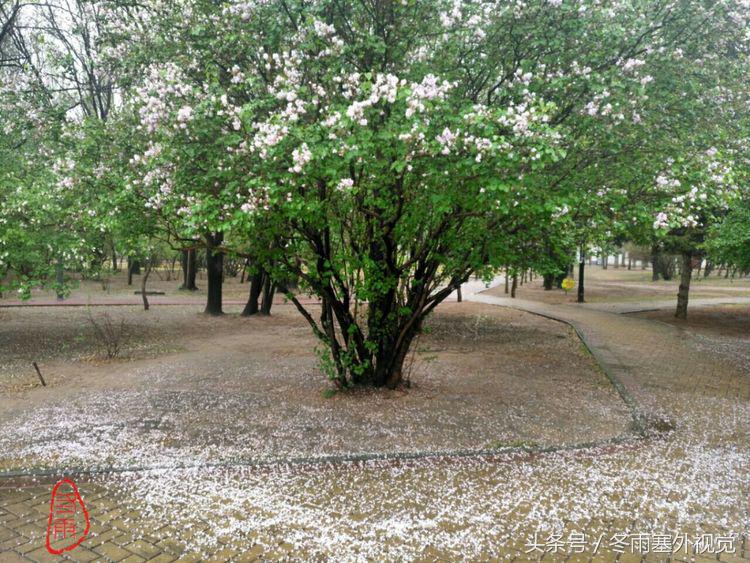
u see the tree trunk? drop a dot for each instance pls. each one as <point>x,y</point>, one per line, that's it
<point>507,281</point>
<point>189,269</point>
<point>390,362</point>
<point>134,267</point>
<point>115,266</point>
<point>244,270</point>
<point>269,289</point>
<point>59,279</point>
<point>256,286</point>
<point>655,264</point>
<point>214,273</point>
<point>605,261</point>
<point>459,297</point>
<point>685,275</point>
<point>144,279</point>
<point>548,281</point>
<point>514,286</point>
<point>581,267</point>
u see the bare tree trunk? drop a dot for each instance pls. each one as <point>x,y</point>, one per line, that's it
<point>189,265</point>
<point>686,272</point>
<point>581,269</point>
<point>655,262</point>
<point>244,270</point>
<point>134,267</point>
<point>256,287</point>
<point>215,273</point>
<point>144,279</point>
<point>514,286</point>
<point>269,288</point>
<point>507,281</point>
<point>459,297</point>
<point>59,279</point>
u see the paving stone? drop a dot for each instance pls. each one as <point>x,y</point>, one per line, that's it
<point>41,555</point>
<point>7,557</point>
<point>98,539</point>
<point>143,548</point>
<point>171,546</point>
<point>83,554</point>
<point>112,552</point>
<point>162,558</point>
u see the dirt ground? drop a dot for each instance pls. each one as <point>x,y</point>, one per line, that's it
<point>719,329</point>
<point>621,285</point>
<point>236,385</point>
<point>193,388</point>
<point>115,286</point>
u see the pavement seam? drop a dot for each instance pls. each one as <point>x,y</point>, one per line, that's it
<point>331,460</point>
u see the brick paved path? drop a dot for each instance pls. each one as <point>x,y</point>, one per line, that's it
<point>694,479</point>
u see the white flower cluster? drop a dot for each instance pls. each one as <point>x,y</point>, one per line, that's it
<point>520,118</point>
<point>244,10</point>
<point>345,184</point>
<point>301,157</point>
<point>711,191</point>
<point>429,89</point>
<point>184,115</point>
<point>453,15</point>
<point>267,136</point>
<point>385,88</point>
<point>662,221</point>
<point>447,140</point>
<point>481,144</point>
<point>632,64</point>
<point>161,85</point>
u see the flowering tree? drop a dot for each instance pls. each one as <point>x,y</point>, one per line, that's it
<point>386,152</point>
<point>379,153</point>
<point>50,80</point>
<point>699,192</point>
<point>729,241</point>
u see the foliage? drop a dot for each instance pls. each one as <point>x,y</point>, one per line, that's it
<point>378,152</point>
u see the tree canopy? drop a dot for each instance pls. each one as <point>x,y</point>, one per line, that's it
<point>379,153</point>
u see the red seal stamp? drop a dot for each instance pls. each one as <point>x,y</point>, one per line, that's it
<point>68,523</point>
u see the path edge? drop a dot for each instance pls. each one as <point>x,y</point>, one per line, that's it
<point>636,413</point>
